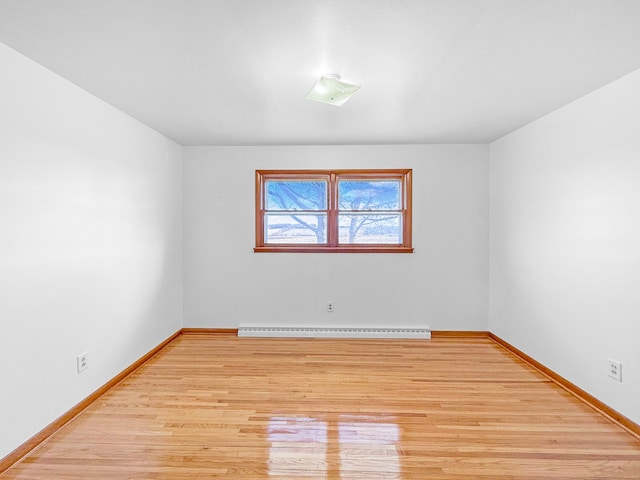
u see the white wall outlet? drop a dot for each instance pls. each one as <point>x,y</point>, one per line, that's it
<point>330,307</point>
<point>81,361</point>
<point>615,370</point>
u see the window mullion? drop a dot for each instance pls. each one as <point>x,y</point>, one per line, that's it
<point>332,217</point>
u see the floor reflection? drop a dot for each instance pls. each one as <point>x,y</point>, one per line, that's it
<point>298,447</point>
<point>365,446</point>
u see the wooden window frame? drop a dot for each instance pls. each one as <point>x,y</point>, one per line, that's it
<point>332,176</point>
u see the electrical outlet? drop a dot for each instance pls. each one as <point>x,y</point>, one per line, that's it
<point>330,307</point>
<point>81,361</point>
<point>615,370</point>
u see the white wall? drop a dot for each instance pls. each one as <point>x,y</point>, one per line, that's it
<point>565,241</point>
<point>90,244</point>
<point>444,284</point>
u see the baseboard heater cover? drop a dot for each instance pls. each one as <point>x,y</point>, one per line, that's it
<point>318,332</point>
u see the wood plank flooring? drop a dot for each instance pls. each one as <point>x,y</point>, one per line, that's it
<point>218,406</point>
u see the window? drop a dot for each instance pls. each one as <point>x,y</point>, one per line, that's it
<point>333,211</point>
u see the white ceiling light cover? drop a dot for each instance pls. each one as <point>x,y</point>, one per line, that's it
<point>331,90</point>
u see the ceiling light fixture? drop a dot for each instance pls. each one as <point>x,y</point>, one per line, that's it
<point>331,90</point>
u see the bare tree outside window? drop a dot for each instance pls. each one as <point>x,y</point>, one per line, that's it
<point>297,209</point>
<point>368,211</point>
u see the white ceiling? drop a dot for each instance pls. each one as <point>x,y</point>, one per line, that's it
<point>235,72</point>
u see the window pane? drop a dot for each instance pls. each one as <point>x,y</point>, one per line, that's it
<point>369,195</point>
<point>370,228</point>
<point>296,195</point>
<point>286,228</point>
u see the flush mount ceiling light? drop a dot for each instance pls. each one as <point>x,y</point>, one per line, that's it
<point>331,90</point>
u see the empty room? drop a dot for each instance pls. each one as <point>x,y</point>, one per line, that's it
<point>330,239</point>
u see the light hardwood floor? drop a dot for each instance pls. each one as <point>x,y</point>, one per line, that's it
<point>218,406</point>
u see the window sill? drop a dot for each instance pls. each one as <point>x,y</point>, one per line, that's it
<point>320,249</point>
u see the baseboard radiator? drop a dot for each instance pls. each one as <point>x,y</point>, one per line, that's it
<point>318,332</point>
